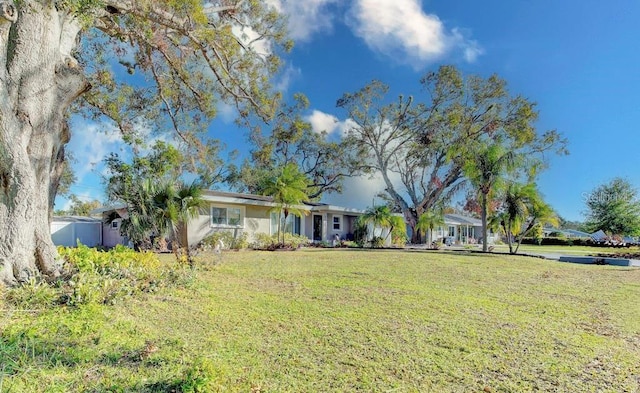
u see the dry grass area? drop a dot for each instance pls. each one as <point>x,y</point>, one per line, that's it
<point>343,320</point>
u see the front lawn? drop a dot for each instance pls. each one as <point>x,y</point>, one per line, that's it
<point>343,320</point>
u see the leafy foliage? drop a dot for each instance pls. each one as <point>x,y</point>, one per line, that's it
<point>79,207</point>
<point>521,212</point>
<point>326,161</point>
<point>157,201</point>
<point>263,241</point>
<point>288,187</point>
<point>229,239</point>
<point>381,217</point>
<point>427,144</point>
<point>97,277</point>
<point>429,220</point>
<point>614,207</point>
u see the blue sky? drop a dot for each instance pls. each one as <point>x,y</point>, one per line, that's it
<point>579,60</point>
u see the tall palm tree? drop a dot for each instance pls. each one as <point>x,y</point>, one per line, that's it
<point>288,188</point>
<point>487,170</point>
<point>429,220</point>
<point>522,210</point>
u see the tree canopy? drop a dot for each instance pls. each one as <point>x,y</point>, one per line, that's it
<point>144,66</point>
<point>420,146</point>
<point>614,208</point>
<point>290,139</point>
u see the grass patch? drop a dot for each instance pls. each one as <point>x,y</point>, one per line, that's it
<point>343,320</point>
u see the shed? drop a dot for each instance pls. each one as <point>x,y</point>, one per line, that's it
<point>69,230</point>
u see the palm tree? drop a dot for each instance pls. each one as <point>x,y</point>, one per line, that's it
<point>289,191</point>
<point>429,220</point>
<point>381,217</point>
<point>486,171</point>
<point>138,224</point>
<point>174,205</point>
<point>522,210</point>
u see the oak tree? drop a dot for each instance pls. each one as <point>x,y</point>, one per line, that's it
<point>142,64</point>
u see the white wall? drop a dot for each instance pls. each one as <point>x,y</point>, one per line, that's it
<point>68,234</point>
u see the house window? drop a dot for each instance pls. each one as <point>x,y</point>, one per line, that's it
<point>233,216</point>
<point>337,221</point>
<point>114,224</point>
<point>226,216</point>
<point>292,224</point>
<point>452,231</point>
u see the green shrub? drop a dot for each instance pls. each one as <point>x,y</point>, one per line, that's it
<point>229,240</point>
<point>377,242</point>
<point>262,241</point>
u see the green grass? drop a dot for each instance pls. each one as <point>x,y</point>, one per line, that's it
<point>343,320</point>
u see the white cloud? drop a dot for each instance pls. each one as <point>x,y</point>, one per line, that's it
<point>402,30</point>
<point>286,77</point>
<point>306,17</point>
<point>321,121</point>
<point>250,38</point>
<point>227,112</point>
<point>90,143</point>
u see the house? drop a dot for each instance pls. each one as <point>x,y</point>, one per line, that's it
<point>68,231</point>
<point>252,214</point>
<point>111,220</point>
<point>461,229</point>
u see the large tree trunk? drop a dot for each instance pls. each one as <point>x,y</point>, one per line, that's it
<point>411,217</point>
<point>38,82</point>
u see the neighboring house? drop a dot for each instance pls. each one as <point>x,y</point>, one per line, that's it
<point>111,219</point>
<point>569,233</point>
<point>251,214</point>
<point>68,231</point>
<point>460,229</point>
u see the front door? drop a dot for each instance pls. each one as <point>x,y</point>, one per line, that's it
<point>317,228</point>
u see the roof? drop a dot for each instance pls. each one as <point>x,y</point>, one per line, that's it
<point>459,219</point>
<point>104,209</point>
<point>248,199</point>
<point>75,219</point>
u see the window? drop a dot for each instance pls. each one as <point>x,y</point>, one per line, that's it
<point>452,231</point>
<point>226,216</point>
<point>233,216</point>
<point>114,224</point>
<point>292,225</point>
<point>337,221</point>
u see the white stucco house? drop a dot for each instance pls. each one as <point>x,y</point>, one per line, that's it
<point>245,213</point>
<point>462,229</point>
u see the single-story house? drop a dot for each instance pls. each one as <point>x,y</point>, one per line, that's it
<point>69,230</point>
<point>252,214</point>
<point>461,229</point>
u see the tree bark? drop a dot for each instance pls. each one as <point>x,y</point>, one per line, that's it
<point>38,82</point>
<point>483,203</point>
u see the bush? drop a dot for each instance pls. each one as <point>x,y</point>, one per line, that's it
<point>229,240</point>
<point>262,241</point>
<point>377,242</point>
<point>104,277</point>
<point>98,277</point>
